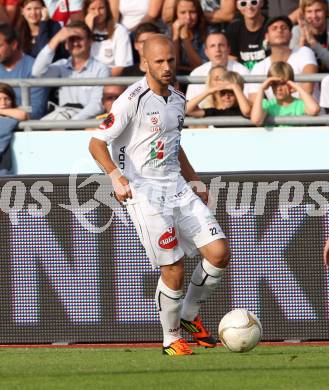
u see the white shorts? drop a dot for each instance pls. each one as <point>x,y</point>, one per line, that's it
<point>167,234</point>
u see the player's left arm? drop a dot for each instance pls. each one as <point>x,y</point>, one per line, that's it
<point>191,176</point>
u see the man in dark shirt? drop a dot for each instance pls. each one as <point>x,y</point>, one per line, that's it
<point>246,36</point>
<point>142,33</point>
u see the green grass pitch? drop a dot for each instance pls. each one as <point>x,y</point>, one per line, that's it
<point>266,367</point>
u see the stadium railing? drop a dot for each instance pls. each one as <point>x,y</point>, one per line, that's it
<point>26,84</point>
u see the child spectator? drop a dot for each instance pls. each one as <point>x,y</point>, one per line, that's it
<point>280,78</point>
<point>188,33</point>
<point>111,42</point>
<point>9,117</point>
<point>8,107</point>
<point>224,96</point>
<point>34,33</point>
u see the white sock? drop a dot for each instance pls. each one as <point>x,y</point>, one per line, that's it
<point>169,305</point>
<point>204,280</point>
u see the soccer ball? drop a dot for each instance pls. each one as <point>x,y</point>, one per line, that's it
<point>240,330</point>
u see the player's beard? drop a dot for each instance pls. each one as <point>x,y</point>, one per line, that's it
<point>158,79</point>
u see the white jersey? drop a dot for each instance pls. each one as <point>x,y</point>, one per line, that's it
<point>144,131</point>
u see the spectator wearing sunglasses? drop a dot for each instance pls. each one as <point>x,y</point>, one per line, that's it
<point>246,35</point>
<point>223,96</point>
<point>280,79</point>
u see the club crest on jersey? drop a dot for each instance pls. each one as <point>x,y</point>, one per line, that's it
<point>107,123</point>
<point>168,239</point>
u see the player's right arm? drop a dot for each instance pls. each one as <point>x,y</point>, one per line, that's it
<point>100,153</point>
<point>122,112</point>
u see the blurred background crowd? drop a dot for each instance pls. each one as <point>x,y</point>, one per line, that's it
<point>223,40</point>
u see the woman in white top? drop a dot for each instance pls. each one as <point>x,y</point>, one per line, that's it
<point>111,44</point>
<point>133,12</point>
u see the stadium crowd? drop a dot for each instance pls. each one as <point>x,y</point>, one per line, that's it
<point>220,39</point>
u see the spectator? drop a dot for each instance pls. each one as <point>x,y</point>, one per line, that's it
<point>218,11</point>
<point>302,60</point>
<point>8,106</point>
<point>246,35</point>
<point>110,94</point>
<point>111,44</point>
<point>284,7</point>
<point>34,33</point>
<point>74,102</point>
<point>188,33</point>
<point>313,30</point>
<point>280,78</point>
<point>9,117</point>
<point>9,11</point>
<point>217,50</point>
<point>14,64</point>
<point>64,10</point>
<point>133,12</point>
<point>324,96</point>
<point>142,33</point>
<point>224,95</point>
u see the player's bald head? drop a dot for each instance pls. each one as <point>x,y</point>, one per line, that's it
<point>156,42</point>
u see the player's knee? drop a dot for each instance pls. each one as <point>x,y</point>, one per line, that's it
<point>220,256</point>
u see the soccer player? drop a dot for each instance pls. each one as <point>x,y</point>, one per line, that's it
<point>149,172</point>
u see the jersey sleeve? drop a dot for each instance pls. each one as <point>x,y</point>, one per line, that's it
<point>117,120</point>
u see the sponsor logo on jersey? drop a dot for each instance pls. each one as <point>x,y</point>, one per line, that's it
<point>168,239</point>
<point>108,122</point>
<point>135,92</point>
<point>155,129</point>
<point>157,149</point>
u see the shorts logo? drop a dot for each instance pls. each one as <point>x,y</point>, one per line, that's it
<point>107,123</point>
<point>168,239</point>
